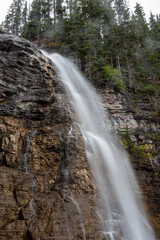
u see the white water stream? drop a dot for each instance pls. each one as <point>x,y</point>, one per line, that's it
<point>122,215</point>
<point>29,139</point>
<point>80,215</point>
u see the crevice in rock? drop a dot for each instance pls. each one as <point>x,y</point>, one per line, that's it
<point>28,235</point>
<point>20,215</point>
<point>15,195</point>
<point>4,161</point>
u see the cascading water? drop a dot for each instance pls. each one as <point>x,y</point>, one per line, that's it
<point>122,216</point>
<point>80,215</point>
<point>29,139</point>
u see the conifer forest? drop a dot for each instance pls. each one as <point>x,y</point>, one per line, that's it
<point>113,44</point>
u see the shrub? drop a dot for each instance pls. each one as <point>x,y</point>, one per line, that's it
<point>113,76</point>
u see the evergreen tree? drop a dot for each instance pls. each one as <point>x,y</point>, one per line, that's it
<point>24,17</point>
<point>16,18</point>
<point>8,22</point>
<point>33,28</point>
<point>141,26</point>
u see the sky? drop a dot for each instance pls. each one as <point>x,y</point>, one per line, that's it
<point>148,5</point>
<point>4,6</point>
<point>153,5</point>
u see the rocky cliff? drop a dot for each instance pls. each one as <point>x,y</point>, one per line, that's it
<point>136,121</point>
<point>46,187</point>
<point>45,183</point>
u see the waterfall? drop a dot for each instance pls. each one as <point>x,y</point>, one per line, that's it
<point>122,215</point>
<point>80,215</point>
<point>29,139</point>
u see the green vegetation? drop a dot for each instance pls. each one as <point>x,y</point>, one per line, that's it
<point>113,76</point>
<point>143,151</point>
<point>112,45</point>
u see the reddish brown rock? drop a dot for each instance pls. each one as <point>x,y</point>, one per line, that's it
<point>45,178</point>
<point>44,175</point>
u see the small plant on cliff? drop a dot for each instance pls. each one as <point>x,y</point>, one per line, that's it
<point>113,76</point>
<point>141,152</point>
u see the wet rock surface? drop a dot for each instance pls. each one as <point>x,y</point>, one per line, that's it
<point>134,117</point>
<point>46,188</point>
<point>27,86</point>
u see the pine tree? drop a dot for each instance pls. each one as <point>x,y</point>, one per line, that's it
<point>24,17</point>
<point>8,22</point>
<point>14,19</point>
<point>141,26</point>
<point>33,28</point>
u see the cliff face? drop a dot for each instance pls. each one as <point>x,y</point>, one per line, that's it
<point>134,117</point>
<point>46,187</point>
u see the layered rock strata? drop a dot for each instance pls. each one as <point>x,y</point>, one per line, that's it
<point>46,188</point>
<point>134,118</point>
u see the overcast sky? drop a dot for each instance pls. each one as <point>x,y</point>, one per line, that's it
<point>4,5</point>
<point>148,5</point>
